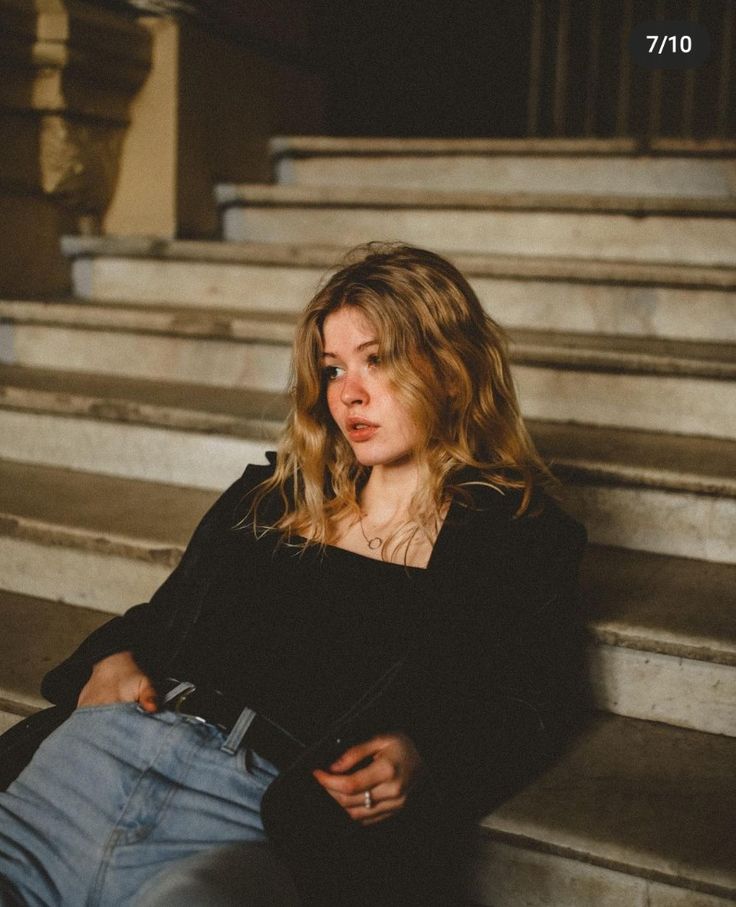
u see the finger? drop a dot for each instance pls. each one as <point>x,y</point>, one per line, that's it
<point>376,819</point>
<point>356,754</point>
<point>147,697</point>
<point>381,793</point>
<point>362,812</point>
<point>367,778</point>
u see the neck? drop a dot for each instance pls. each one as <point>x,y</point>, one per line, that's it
<point>389,489</point>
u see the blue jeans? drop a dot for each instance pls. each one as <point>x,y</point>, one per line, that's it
<point>114,797</point>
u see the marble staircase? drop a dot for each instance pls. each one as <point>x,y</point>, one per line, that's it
<point>125,408</point>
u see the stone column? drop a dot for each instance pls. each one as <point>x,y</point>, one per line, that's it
<point>68,72</point>
<point>205,115</point>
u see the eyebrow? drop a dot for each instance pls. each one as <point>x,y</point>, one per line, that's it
<point>358,349</point>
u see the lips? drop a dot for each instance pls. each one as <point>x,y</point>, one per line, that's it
<point>360,429</point>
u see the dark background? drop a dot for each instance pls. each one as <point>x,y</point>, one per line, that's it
<point>462,67</point>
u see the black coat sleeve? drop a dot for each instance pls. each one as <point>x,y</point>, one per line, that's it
<point>154,630</point>
<point>498,691</point>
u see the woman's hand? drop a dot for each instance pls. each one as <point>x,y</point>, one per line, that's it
<point>118,678</point>
<point>395,768</point>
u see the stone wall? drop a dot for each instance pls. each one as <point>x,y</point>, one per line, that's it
<point>67,74</point>
<point>110,123</point>
<point>205,116</point>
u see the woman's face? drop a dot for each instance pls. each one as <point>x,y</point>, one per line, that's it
<point>378,427</point>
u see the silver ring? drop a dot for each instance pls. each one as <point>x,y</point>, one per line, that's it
<point>367,800</point>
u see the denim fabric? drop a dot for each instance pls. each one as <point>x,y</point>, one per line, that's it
<point>113,797</point>
<point>239,875</point>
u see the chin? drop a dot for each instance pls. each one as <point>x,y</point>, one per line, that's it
<point>378,458</point>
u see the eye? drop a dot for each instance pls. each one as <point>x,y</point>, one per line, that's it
<point>374,359</point>
<point>330,372</point>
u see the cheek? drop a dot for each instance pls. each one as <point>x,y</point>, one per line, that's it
<point>398,414</point>
<point>332,397</point>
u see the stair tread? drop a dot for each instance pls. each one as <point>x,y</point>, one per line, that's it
<point>147,520</point>
<point>653,800</point>
<point>657,603</point>
<point>376,197</point>
<point>322,257</point>
<point>703,465</point>
<point>625,353</point>
<point>154,318</point>
<point>280,145</point>
<point>648,355</point>
<point>37,634</point>
<point>164,403</point>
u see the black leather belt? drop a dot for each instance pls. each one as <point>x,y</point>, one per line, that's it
<point>263,736</point>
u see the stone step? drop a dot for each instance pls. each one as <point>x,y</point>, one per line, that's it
<point>636,814</point>
<point>181,433</point>
<point>217,348</point>
<point>659,493</point>
<point>626,379</point>
<point>664,493</point>
<point>504,165</point>
<point>663,229</point>
<point>662,629</point>
<point>623,381</point>
<point>85,539</point>
<point>649,492</point>
<point>37,634</point>
<point>664,648</point>
<point>565,294</point>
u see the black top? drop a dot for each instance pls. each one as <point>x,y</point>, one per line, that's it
<point>297,636</point>
<point>490,686</point>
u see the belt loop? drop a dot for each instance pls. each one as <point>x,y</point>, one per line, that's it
<point>240,729</point>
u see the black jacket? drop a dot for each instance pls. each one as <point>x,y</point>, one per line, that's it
<point>489,693</point>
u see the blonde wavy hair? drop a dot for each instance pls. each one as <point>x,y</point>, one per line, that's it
<point>445,359</point>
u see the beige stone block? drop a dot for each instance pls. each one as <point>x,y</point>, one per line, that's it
<point>204,115</point>
<point>68,72</point>
<point>131,451</point>
<point>195,283</point>
<point>698,240</point>
<point>680,691</point>
<point>37,634</point>
<point>639,797</point>
<point>679,405</point>
<point>648,519</point>
<point>651,311</point>
<point>197,360</point>
<point>603,174</point>
<point>148,164</point>
<point>648,311</point>
<point>77,576</point>
<point>504,875</point>
<point>58,49</point>
<point>508,876</point>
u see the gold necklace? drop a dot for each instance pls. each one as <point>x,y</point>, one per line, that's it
<point>374,542</point>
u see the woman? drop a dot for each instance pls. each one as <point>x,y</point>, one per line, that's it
<point>399,552</point>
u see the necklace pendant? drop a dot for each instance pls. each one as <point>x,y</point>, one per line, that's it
<point>374,543</point>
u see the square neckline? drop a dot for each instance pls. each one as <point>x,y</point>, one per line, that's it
<point>441,535</point>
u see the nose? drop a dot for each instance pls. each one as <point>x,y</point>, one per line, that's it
<point>353,390</point>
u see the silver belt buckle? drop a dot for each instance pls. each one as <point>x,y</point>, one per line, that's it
<point>179,701</point>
